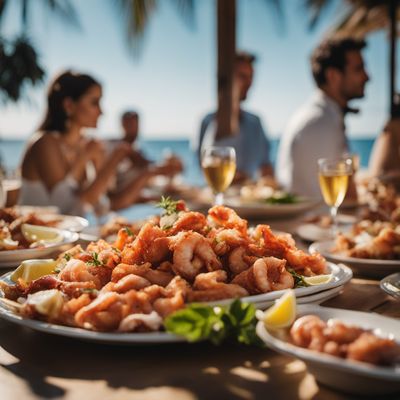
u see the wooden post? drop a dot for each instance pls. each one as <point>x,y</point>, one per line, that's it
<point>392,61</point>
<point>226,33</point>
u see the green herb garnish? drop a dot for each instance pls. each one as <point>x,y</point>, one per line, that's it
<point>168,205</point>
<point>95,260</point>
<point>282,198</point>
<point>67,256</point>
<point>298,279</point>
<point>128,231</point>
<point>199,322</point>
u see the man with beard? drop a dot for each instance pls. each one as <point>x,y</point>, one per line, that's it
<point>317,130</point>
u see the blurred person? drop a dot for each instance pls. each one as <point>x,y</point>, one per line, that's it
<point>63,167</point>
<point>384,160</point>
<point>250,141</point>
<point>317,129</point>
<point>137,163</point>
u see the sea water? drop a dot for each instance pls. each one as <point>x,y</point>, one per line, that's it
<point>11,153</point>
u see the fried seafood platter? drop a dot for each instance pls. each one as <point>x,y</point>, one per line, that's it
<point>182,257</point>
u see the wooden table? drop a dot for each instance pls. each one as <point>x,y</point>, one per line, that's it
<point>35,365</point>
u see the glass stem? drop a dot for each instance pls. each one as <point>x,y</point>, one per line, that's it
<point>335,229</point>
<point>219,199</point>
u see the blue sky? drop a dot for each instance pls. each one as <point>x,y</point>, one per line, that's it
<point>172,83</point>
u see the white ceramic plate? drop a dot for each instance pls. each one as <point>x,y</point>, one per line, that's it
<point>363,266</point>
<point>315,233</point>
<point>67,222</point>
<point>83,334</point>
<point>12,258</point>
<point>258,209</point>
<point>312,298</point>
<point>341,276</point>
<point>350,376</point>
<point>391,285</point>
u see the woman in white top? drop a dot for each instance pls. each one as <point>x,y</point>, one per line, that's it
<point>55,164</point>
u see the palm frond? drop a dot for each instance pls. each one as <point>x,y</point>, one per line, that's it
<point>186,9</point>
<point>19,68</point>
<point>64,10</point>
<point>136,14</point>
<point>3,4</point>
<point>276,5</point>
<point>316,9</point>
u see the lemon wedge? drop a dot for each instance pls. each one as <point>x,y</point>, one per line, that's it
<point>317,279</point>
<point>30,270</point>
<point>46,302</point>
<point>43,234</point>
<point>283,313</point>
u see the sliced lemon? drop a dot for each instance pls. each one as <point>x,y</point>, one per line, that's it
<point>283,313</point>
<point>30,270</point>
<point>317,279</point>
<point>44,234</point>
<point>46,302</point>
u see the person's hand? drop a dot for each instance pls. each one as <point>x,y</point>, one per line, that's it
<point>138,160</point>
<point>122,151</point>
<point>174,165</point>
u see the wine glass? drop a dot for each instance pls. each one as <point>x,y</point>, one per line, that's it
<point>333,180</point>
<point>219,166</point>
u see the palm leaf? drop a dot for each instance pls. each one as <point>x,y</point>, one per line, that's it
<point>64,10</point>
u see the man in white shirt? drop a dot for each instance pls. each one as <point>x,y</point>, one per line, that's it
<point>317,129</point>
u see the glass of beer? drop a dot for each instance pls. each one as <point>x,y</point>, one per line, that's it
<point>219,166</point>
<point>333,180</point>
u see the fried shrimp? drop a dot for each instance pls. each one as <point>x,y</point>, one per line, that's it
<point>239,260</point>
<point>192,253</point>
<point>78,271</point>
<point>384,246</point>
<point>141,249</point>
<point>223,240</point>
<point>188,221</point>
<point>128,282</point>
<point>339,339</point>
<point>307,329</point>
<point>265,275</point>
<point>154,276</point>
<point>211,286</point>
<point>227,218</point>
<point>307,264</point>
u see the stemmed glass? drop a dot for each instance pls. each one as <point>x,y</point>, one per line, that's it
<point>219,166</point>
<point>333,180</point>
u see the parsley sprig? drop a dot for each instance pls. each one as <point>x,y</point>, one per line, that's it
<point>298,279</point>
<point>169,205</point>
<point>199,322</point>
<point>282,198</point>
<point>95,260</point>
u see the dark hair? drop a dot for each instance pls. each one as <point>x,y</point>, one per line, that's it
<point>129,114</point>
<point>69,84</point>
<point>244,56</point>
<point>331,53</point>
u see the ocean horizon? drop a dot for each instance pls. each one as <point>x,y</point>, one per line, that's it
<point>11,151</point>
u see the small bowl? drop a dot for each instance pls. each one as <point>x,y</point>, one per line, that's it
<point>391,285</point>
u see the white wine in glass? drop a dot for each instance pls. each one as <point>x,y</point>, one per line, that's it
<point>219,167</point>
<point>333,180</point>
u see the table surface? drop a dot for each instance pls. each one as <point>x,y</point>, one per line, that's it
<point>36,365</point>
